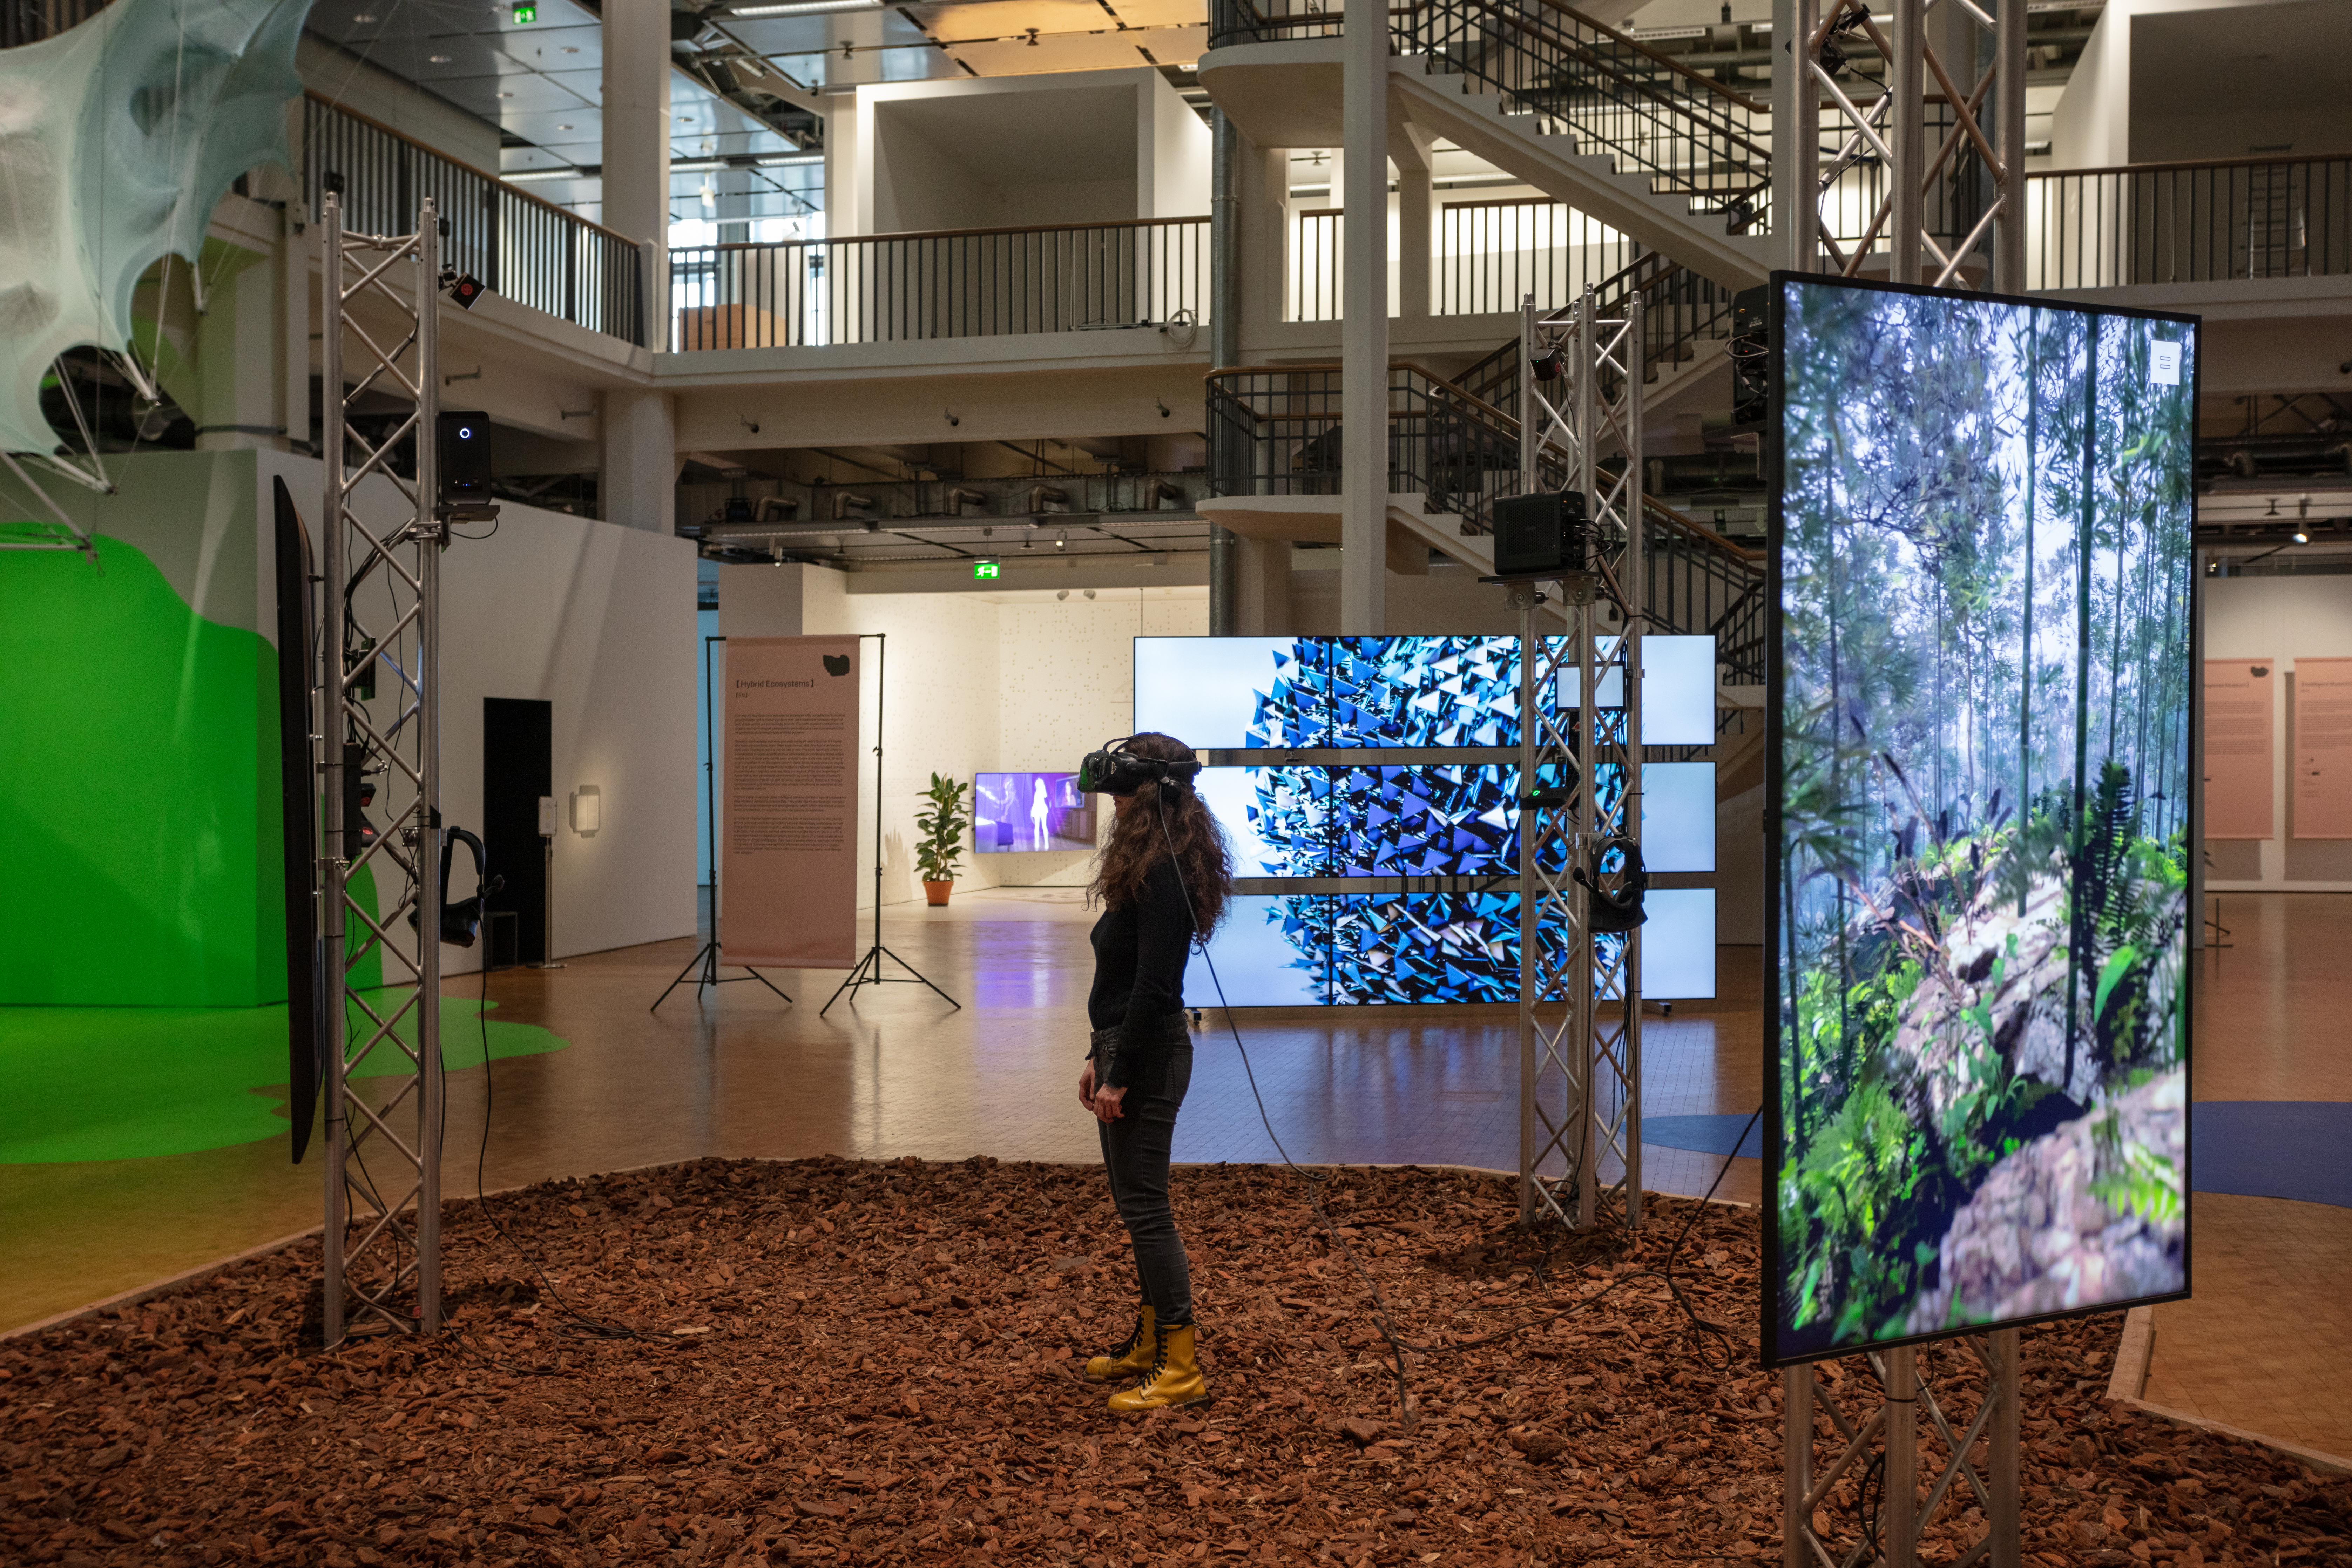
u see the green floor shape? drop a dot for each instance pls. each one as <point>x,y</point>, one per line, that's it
<point>129,1083</point>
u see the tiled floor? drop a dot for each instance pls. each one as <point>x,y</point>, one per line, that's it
<point>2264,1345</point>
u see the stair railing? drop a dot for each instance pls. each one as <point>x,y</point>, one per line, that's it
<point>1691,134</point>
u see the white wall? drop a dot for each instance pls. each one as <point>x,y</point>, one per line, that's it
<point>2097,125</point>
<point>985,682</point>
<point>1177,154</point>
<point>599,621</point>
<point>2279,618</point>
<point>1000,152</point>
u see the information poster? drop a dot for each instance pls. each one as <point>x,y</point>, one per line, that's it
<point>2238,748</point>
<point>788,874</point>
<point>2322,748</point>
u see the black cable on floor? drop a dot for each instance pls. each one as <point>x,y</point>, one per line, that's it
<point>586,1327</point>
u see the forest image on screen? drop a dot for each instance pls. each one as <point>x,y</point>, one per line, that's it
<point>1981,887</point>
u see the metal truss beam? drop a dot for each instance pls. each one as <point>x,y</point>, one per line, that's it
<point>1889,1536</point>
<point>381,720</point>
<point>1978,72</point>
<point>1581,780</point>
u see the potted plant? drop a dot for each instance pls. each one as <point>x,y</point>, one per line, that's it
<point>942,827</point>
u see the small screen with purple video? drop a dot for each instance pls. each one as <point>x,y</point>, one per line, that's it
<point>1030,811</point>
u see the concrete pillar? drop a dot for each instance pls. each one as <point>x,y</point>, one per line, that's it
<point>636,119</point>
<point>1262,589</point>
<point>637,485</point>
<point>1409,147</point>
<point>238,368</point>
<point>1364,337</point>
<point>1224,328</point>
<point>1264,177</point>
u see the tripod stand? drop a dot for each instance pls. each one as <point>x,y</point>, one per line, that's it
<point>709,956</point>
<point>868,970</point>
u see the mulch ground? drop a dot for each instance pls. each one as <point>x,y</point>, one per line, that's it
<point>852,1364</point>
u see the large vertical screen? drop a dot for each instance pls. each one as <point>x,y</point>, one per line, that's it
<point>1978,893</point>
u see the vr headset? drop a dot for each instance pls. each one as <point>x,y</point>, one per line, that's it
<point>1116,771</point>
<point>1621,911</point>
<point>461,922</point>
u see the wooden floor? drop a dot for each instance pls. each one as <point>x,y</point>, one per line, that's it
<point>740,1073</point>
<point>2266,1343</point>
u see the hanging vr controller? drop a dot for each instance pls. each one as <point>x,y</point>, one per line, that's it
<point>1116,770</point>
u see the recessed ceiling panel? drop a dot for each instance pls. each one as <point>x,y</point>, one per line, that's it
<point>1163,13</point>
<point>1011,18</point>
<point>1081,52</point>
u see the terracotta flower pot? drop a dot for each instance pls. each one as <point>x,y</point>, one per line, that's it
<point>935,893</point>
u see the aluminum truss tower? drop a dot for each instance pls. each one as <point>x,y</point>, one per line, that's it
<point>381,726</point>
<point>1902,1394</point>
<point>1970,56</point>
<point>1580,997</point>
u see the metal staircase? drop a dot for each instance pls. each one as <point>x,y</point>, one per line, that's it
<point>1451,453</point>
<point>1677,160</point>
<point>1587,114</point>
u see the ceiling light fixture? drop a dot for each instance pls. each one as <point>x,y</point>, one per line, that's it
<point>2301,537</point>
<point>563,127</point>
<point>804,8</point>
<point>792,160</point>
<point>438,59</point>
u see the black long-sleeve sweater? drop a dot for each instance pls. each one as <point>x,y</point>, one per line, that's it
<point>1140,954</point>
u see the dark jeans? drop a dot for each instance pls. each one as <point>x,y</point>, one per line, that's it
<point>1135,1154</point>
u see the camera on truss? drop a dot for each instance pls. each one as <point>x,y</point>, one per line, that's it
<point>1540,535</point>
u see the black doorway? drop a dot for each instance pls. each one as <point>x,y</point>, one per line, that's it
<point>517,767</point>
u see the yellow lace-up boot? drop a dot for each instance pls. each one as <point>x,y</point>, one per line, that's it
<point>1175,1376</point>
<point>1132,1359</point>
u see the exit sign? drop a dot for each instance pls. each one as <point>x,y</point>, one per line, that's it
<point>525,13</point>
<point>983,571</point>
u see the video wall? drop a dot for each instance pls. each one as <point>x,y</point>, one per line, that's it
<point>1452,817</point>
<point>1978,912</point>
<point>1457,693</point>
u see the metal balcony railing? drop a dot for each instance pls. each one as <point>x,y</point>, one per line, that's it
<point>959,283</point>
<point>521,247</point>
<point>2190,223</point>
<point>29,21</point>
<point>1487,254</point>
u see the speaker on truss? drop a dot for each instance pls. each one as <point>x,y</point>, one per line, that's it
<point>307,983</point>
<point>464,459</point>
<point>1540,533</point>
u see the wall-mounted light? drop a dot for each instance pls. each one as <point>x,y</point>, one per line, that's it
<point>745,421</point>
<point>949,415</point>
<point>1062,540</point>
<point>587,810</point>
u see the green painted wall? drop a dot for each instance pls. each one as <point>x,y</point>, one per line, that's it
<point>139,820</point>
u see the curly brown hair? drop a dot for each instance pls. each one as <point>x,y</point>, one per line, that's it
<point>1139,841</point>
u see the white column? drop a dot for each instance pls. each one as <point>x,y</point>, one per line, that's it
<point>636,117</point>
<point>1364,334</point>
<point>1409,147</point>
<point>638,484</point>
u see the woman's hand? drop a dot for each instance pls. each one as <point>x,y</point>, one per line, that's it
<point>1086,1086</point>
<point>1106,1104</point>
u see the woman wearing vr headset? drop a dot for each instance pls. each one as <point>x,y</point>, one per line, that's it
<point>1163,878</point>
